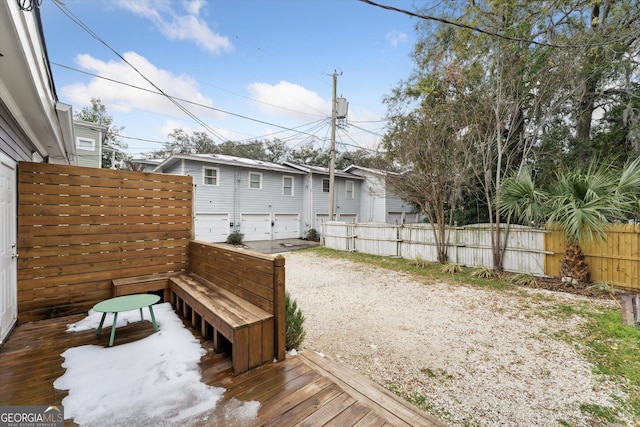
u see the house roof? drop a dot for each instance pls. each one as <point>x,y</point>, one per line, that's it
<point>321,170</point>
<point>222,159</point>
<point>371,170</point>
<point>27,87</point>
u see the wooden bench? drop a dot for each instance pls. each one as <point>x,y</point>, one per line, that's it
<point>243,324</point>
<point>235,296</point>
<point>143,285</point>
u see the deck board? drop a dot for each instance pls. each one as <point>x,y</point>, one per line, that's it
<point>304,390</point>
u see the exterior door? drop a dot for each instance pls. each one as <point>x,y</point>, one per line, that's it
<point>8,248</point>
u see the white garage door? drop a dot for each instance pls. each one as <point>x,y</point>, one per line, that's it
<point>286,226</point>
<point>212,227</point>
<point>350,218</point>
<point>394,217</point>
<point>255,226</point>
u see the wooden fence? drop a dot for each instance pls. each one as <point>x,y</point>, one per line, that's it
<point>469,245</point>
<point>79,228</point>
<point>615,261</point>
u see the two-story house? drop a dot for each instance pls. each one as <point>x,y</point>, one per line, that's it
<point>262,200</point>
<point>259,199</point>
<point>378,202</point>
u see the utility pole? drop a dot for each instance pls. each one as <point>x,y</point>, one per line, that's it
<point>332,161</point>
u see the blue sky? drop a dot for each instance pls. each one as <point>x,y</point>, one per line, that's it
<point>266,60</point>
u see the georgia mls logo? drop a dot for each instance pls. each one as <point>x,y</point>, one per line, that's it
<point>31,416</point>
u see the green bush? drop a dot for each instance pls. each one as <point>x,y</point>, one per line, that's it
<point>312,234</point>
<point>295,323</point>
<point>235,238</point>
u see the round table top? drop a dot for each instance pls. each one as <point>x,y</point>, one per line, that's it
<point>126,303</point>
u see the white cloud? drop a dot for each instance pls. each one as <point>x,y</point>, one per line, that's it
<point>289,100</point>
<point>395,38</point>
<point>175,25</point>
<point>124,98</point>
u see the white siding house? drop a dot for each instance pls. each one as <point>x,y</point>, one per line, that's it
<point>378,202</point>
<point>347,193</point>
<point>89,137</point>
<point>261,200</point>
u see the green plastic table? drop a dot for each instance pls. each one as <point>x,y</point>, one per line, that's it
<point>125,303</point>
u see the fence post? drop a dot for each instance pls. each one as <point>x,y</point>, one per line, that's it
<point>626,305</point>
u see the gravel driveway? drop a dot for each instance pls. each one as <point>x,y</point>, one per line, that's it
<point>470,356</point>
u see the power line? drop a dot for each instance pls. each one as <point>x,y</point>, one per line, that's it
<point>176,98</point>
<point>490,33</point>
<point>86,28</point>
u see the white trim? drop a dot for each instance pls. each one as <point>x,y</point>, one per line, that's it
<point>353,190</point>
<point>328,186</point>
<point>90,142</point>
<point>204,176</point>
<point>285,177</point>
<point>260,181</point>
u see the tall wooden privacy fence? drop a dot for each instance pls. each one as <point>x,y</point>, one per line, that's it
<point>615,261</point>
<point>79,228</point>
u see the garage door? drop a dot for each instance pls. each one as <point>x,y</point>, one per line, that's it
<point>350,218</point>
<point>394,218</point>
<point>286,226</point>
<point>212,227</point>
<point>255,226</point>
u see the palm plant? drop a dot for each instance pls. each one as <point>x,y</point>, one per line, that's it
<point>581,203</point>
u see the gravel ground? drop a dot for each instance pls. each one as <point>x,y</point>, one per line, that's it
<point>470,356</point>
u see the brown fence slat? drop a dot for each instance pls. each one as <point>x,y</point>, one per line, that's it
<point>615,260</point>
<point>79,228</point>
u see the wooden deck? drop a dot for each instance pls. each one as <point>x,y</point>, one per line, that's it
<point>306,389</point>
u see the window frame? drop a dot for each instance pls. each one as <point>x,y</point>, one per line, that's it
<point>284,187</point>
<point>259,174</point>
<point>204,176</point>
<point>328,185</point>
<point>91,141</point>
<point>348,184</point>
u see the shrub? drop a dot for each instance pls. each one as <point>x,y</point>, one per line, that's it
<point>235,238</point>
<point>483,273</point>
<point>419,262</point>
<point>312,234</point>
<point>451,268</point>
<point>528,280</point>
<point>294,323</point>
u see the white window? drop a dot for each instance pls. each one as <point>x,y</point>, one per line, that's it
<point>87,144</point>
<point>325,185</point>
<point>210,176</point>
<point>348,192</point>
<point>255,180</point>
<point>287,186</point>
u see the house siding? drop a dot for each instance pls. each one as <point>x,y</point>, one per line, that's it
<point>89,158</point>
<point>13,142</point>
<point>233,196</point>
